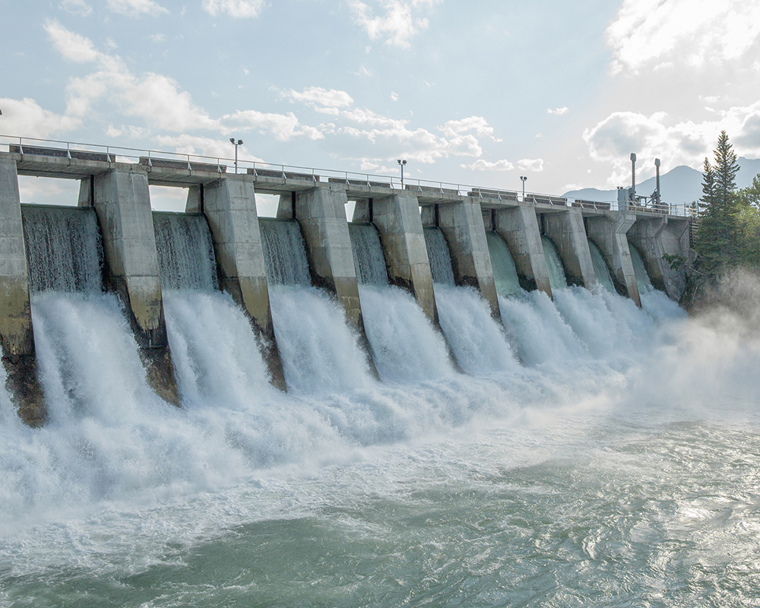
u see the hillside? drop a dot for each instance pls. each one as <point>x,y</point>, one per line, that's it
<point>681,185</point>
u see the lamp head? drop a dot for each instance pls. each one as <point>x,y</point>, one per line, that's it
<point>232,140</point>
<point>240,142</point>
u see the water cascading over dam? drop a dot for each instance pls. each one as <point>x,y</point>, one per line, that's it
<point>319,351</point>
<point>602,271</point>
<point>557,276</point>
<point>404,344</point>
<point>476,340</point>
<point>214,350</point>
<point>504,269</point>
<point>642,276</point>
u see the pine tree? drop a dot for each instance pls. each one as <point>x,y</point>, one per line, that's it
<point>719,236</point>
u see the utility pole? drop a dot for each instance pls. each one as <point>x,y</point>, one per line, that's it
<point>237,143</point>
<point>401,164</point>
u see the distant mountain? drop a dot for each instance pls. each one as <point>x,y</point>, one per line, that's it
<point>682,185</point>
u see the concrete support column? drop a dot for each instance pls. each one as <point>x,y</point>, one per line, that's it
<point>462,225</point>
<point>321,212</point>
<point>229,205</point>
<point>518,226</point>
<point>397,219</point>
<point>16,337</point>
<point>609,232</point>
<point>122,203</point>
<point>568,233</point>
<point>662,236</point>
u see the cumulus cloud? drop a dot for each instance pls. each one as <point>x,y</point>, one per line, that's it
<point>203,146</point>
<point>682,32</point>
<point>26,117</point>
<point>397,23</point>
<point>71,45</point>
<point>485,165</point>
<point>136,8</point>
<point>675,142</point>
<point>531,164</point>
<point>154,98</point>
<point>558,111</point>
<point>319,97</point>
<point>478,124</point>
<point>234,8</point>
<point>77,7</point>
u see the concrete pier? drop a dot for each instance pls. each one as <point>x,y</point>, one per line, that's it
<point>657,237</point>
<point>321,213</point>
<point>567,232</point>
<point>229,205</point>
<point>518,227</point>
<point>397,219</point>
<point>122,202</point>
<point>462,225</point>
<point>609,231</point>
<point>16,337</point>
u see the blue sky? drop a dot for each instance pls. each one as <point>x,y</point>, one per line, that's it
<point>475,93</point>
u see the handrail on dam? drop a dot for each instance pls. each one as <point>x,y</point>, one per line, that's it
<point>222,165</point>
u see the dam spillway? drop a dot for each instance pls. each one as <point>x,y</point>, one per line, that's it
<point>453,261</point>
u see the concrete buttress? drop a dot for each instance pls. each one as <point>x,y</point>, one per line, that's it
<point>661,236</point>
<point>609,231</point>
<point>122,202</point>
<point>518,227</point>
<point>567,232</point>
<point>16,337</point>
<point>229,205</point>
<point>321,213</point>
<point>397,219</point>
<point>462,225</point>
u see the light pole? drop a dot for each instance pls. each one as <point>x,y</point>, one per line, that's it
<point>402,163</point>
<point>523,178</point>
<point>237,143</point>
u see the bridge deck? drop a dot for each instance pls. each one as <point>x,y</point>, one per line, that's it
<point>43,162</point>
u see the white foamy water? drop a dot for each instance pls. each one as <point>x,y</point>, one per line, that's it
<point>319,352</point>
<point>215,353</point>
<point>478,342</point>
<point>405,345</point>
<point>581,478</point>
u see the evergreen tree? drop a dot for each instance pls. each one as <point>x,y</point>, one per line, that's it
<point>719,237</point>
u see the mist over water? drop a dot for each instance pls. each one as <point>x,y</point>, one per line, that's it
<point>614,466</point>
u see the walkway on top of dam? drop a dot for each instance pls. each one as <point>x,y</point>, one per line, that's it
<point>52,158</point>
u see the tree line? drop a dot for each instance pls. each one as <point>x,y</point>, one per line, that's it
<point>728,232</point>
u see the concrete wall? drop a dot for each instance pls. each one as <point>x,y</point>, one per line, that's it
<point>397,219</point>
<point>462,224</point>
<point>567,232</point>
<point>321,214</point>
<point>229,205</point>
<point>660,236</point>
<point>16,337</point>
<point>518,227</point>
<point>122,202</point>
<point>609,232</point>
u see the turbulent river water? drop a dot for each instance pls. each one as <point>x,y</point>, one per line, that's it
<point>593,454</point>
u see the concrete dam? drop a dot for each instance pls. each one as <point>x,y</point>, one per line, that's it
<point>421,281</point>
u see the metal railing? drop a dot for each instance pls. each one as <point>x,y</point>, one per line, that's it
<point>198,162</point>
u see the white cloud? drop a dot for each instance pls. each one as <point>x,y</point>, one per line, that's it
<point>136,8</point>
<point>478,124</point>
<point>157,38</point>
<point>204,146</point>
<point>25,117</point>
<point>531,164</point>
<point>558,111</point>
<point>485,165</point>
<point>317,96</point>
<point>283,126</point>
<point>394,96</point>
<point>675,143</point>
<point>397,25</point>
<point>77,7</point>
<point>682,32</point>
<point>71,45</point>
<point>234,8</point>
